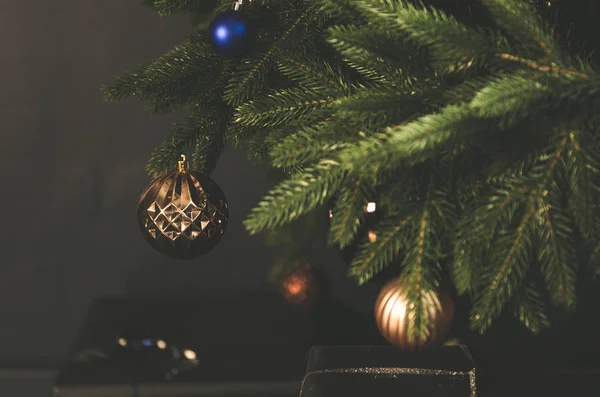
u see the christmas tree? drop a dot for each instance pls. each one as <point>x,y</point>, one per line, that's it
<point>477,138</point>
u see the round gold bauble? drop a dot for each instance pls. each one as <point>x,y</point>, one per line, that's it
<point>394,319</point>
<point>183,214</point>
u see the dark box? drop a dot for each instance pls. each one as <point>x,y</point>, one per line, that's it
<point>385,371</point>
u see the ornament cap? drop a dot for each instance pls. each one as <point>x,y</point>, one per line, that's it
<point>182,165</point>
<point>239,4</point>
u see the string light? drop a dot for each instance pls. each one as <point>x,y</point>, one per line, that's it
<point>189,354</point>
<point>372,236</point>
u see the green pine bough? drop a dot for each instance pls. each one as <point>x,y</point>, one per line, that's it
<point>479,144</point>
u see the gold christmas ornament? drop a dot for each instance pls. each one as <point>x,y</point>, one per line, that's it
<point>394,320</point>
<point>183,214</point>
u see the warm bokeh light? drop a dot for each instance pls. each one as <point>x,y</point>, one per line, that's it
<point>122,341</point>
<point>161,344</point>
<point>300,286</point>
<point>295,285</point>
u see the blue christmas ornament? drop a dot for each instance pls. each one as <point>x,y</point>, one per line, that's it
<point>230,34</point>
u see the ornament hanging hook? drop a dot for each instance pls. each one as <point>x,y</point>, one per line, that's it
<point>238,4</point>
<point>182,165</point>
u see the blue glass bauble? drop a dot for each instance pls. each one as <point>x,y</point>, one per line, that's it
<point>230,33</point>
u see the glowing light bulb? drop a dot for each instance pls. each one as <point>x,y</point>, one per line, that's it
<point>372,236</point>
<point>189,354</point>
<point>371,207</point>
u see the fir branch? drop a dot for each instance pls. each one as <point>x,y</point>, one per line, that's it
<point>374,108</point>
<point>282,107</point>
<point>414,141</point>
<point>363,61</point>
<point>542,68</point>
<point>168,7</point>
<point>450,41</point>
<point>165,156</point>
<point>125,85</point>
<point>238,134</point>
<point>523,21</point>
<point>393,235</point>
<point>511,259</point>
<point>510,255</point>
<point>556,253</point>
<point>530,309</point>
<point>338,10</point>
<point>583,171</point>
<point>201,134</point>
<point>271,138</point>
<point>294,197</point>
<point>182,75</point>
<point>594,259</point>
<point>349,209</point>
<point>257,148</point>
<point>251,77</point>
<point>380,55</point>
<point>466,263</point>
<point>210,142</point>
<point>476,231</point>
<point>310,144</point>
<point>421,272</point>
<point>312,74</point>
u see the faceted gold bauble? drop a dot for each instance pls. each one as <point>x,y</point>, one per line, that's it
<point>394,319</point>
<point>183,214</point>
